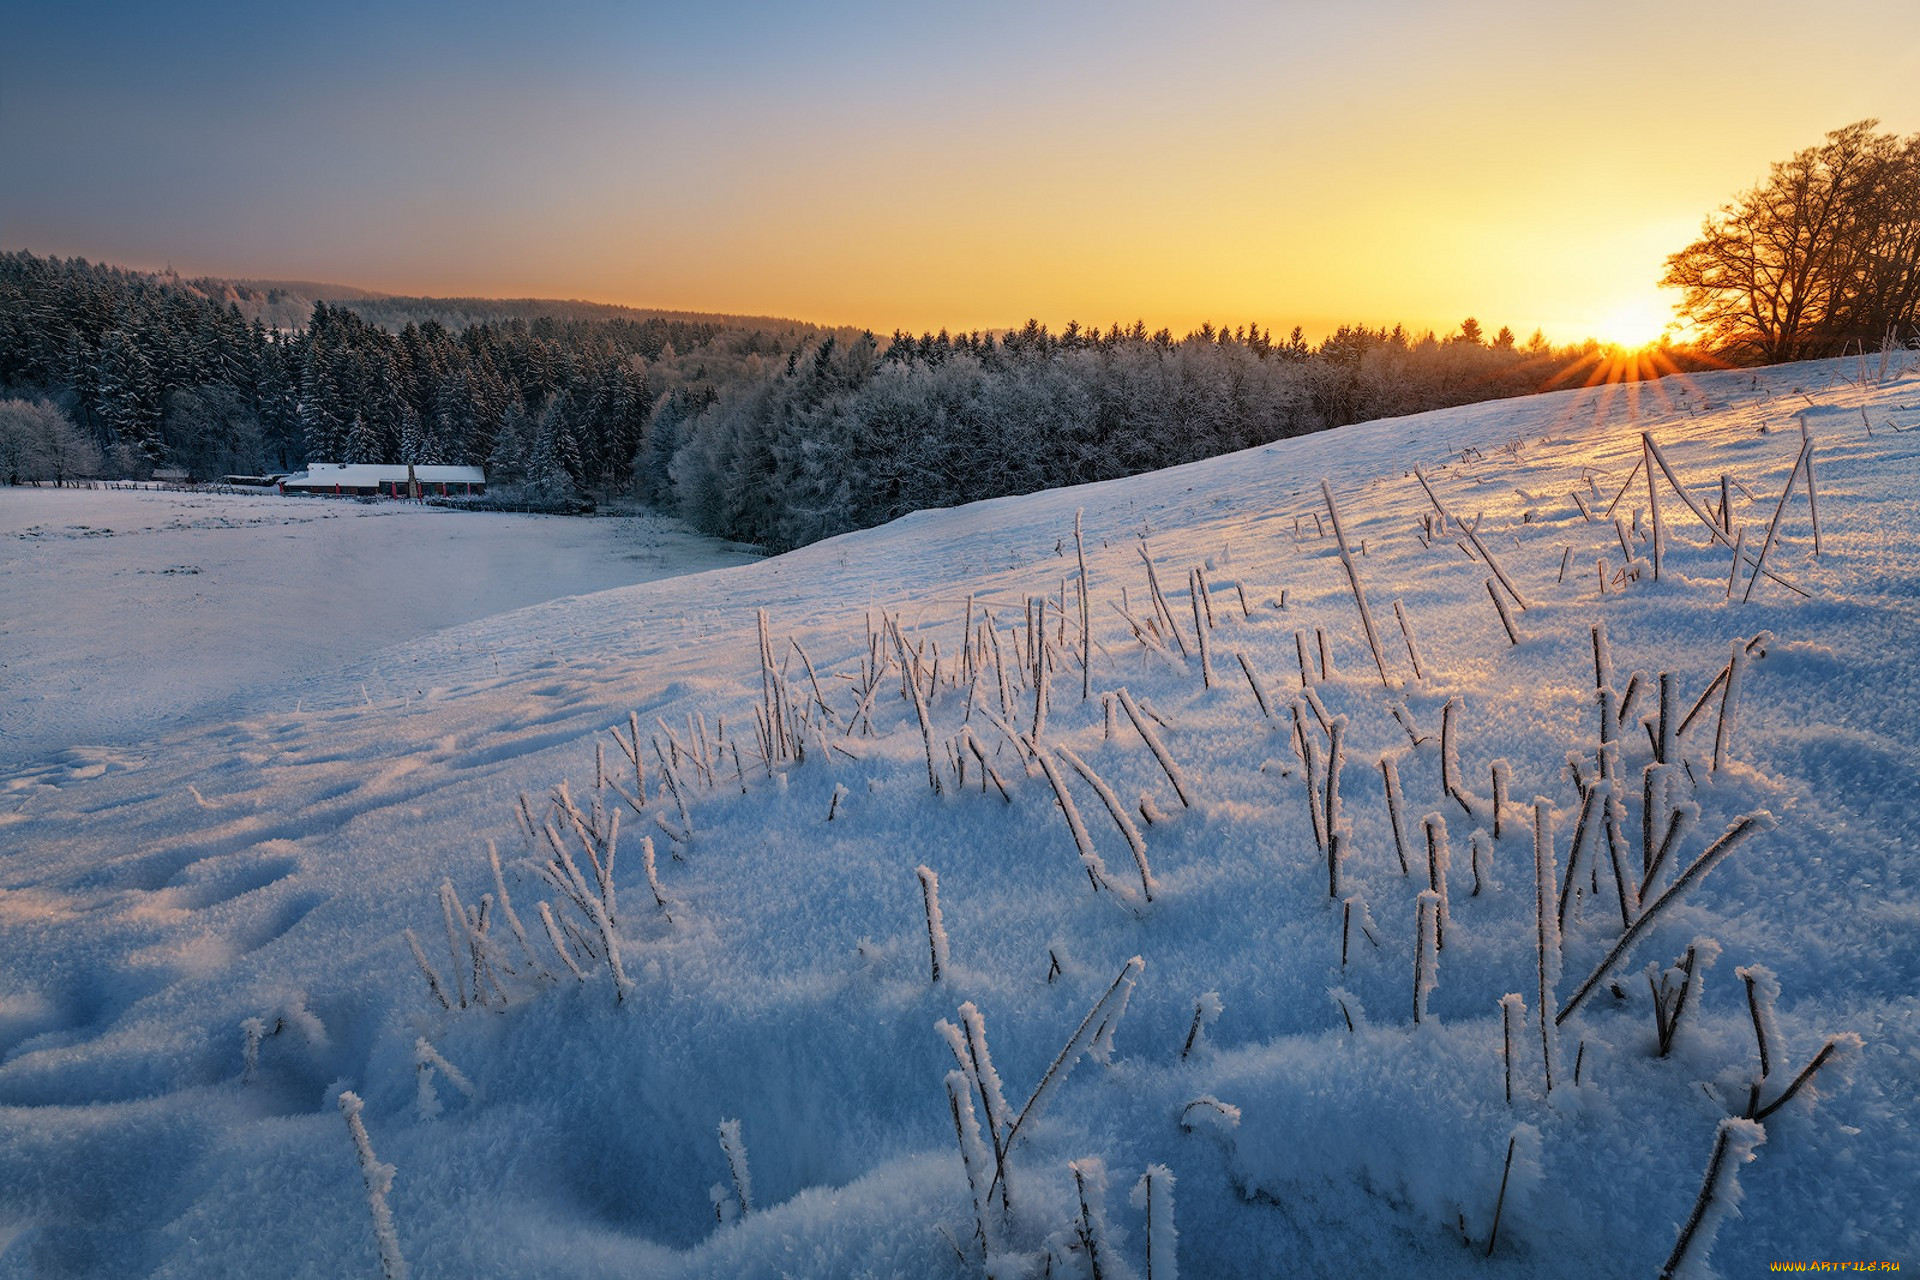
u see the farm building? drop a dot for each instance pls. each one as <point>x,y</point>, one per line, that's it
<point>369,479</point>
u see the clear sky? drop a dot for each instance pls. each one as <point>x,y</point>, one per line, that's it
<point>918,166</point>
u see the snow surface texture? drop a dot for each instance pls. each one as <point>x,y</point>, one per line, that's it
<point>129,611</point>
<point>204,936</point>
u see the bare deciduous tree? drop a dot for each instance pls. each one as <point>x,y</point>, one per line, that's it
<point>38,442</point>
<point>1824,254</point>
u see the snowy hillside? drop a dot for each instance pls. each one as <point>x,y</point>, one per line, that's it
<point>1228,1009</point>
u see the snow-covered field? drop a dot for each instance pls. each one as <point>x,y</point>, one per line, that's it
<point>130,611</point>
<point>204,946</point>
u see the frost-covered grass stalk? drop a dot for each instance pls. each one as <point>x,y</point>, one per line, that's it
<point>1310,762</point>
<point>993,1095</point>
<point>379,1180</point>
<point>1677,988</point>
<point>1546,915</point>
<point>559,944</point>
<point>449,908</point>
<point>1624,711</point>
<point>1406,633</point>
<point>1041,664</point>
<point>1733,1145</point>
<point>1773,526</point>
<point>1474,536</point>
<point>630,747</point>
<point>1200,629</point>
<point>427,970</point>
<point>1700,703</point>
<point>1426,952</point>
<point>736,1152</point>
<point>594,904</point>
<point>1247,670</point>
<point>1500,607</point>
<point>1846,1042</point>
<point>1502,776</point>
<point>926,726</point>
<point>1206,1012</point>
<point>1159,749</point>
<point>1679,818</point>
<point>1615,811</point>
<point>1653,502</point>
<point>1353,581</point>
<point>1390,776</point>
<point>685,834</point>
<point>1094,1034</point>
<point>1153,1194</point>
<point>1086,612</point>
<point>1579,852</point>
<point>1653,820</point>
<point>1763,991</point>
<point>1354,915</point>
<point>936,928</point>
<point>827,713</point>
<point>1320,713</point>
<point>506,910</point>
<point>1721,528</point>
<point>1757,821</point>
<point>1500,1201</point>
<point>252,1032</point>
<point>969,1045</point>
<point>1089,858</point>
<point>1439,859</point>
<point>1161,608</point>
<point>1090,1185</point>
<point>653,872</point>
<point>1602,655</point>
<point>600,849</point>
<point>973,1157</point>
<point>1631,477</point>
<point>1337,831</point>
<point>611,950</point>
<point>1136,843</point>
<point>1480,857</point>
<point>426,1061</point>
<point>973,745</point>
<point>772,712</point>
<point>1729,705</point>
<point>1513,1025</point>
<point>1451,780</point>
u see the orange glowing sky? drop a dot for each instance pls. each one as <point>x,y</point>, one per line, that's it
<point>959,166</point>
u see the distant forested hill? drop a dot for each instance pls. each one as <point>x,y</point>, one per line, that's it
<point>754,428</point>
<point>217,376</point>
<point>289,303</point>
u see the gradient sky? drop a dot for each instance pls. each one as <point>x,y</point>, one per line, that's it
<point>959,165</point>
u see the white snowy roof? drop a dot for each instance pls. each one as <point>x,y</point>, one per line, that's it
<point>351,475</point>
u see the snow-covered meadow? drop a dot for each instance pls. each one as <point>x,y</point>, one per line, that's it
<point>206,930</point>
<point>129,611</point>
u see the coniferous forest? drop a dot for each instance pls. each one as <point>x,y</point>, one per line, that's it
<point>760,430</point>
